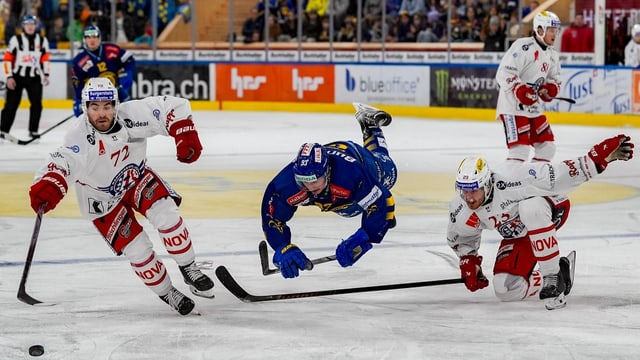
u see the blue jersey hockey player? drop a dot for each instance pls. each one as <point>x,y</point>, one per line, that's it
<point>99,59</point>
<point>342,177</point>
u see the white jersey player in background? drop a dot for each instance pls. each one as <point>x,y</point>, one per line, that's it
<point>529,72</point>
<point>632,50</point>
<point>104,156</point>
<point>522,203</point>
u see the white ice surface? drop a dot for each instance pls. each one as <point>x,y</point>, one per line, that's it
<point>102,311</point>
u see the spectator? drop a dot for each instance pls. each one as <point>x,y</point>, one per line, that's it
<point>372,8</point>
<point>348,31</point>
<point>632,50</point>
<point>325,33</point>
<point>311,27</point>
<point>413,7</point>
<point>253,24</point>
<point>274,28</point>
<point>135,18</point>
<point>496,37</point>
<point>319,6</point>
<point>56,32</point>
<point>393,8</point>
<point>529,9</point>
<point>473,25</point>
<point>5,22</point>
<point>404,28</point>
<point>289,28</point>
<point>578,37</point>
<point>427,35</point>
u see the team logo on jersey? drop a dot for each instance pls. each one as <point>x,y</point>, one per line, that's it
<point>91,139</point>
<point>74,148</point>
<point>473,220</point>
<point>573,170</point>
<point>501,185</point>
<point>95,206</point>
<point>124,179</point>
<point>156,114</point>
<point>454,214</point>
<point>296,199</point>
<point>131,124</point>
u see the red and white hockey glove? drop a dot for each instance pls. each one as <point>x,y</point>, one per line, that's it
<point>548,91</point>
<point>471,272</point>
<point>188,147</point>
<point>615,148</point>
<point>48,191</point>
<point>525,94</point>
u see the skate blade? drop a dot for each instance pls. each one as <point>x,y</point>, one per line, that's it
<point>555,303</point>
<point>205,294</point>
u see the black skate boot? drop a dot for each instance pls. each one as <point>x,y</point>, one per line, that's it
<point>555,287</point>
<point>34,135</point>
<point>178,301</point>
<point>370,117</point>
<point>199,283</point>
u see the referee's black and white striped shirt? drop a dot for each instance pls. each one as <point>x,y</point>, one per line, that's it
<point>27,56</point>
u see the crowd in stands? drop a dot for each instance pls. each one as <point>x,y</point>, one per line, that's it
<point>131,17</point>
<point>402,21</point>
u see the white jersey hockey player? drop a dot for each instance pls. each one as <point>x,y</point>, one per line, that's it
<point>521,202</point>
<point>529,72</point>
<point>632,50</point>
<point>104,156</point>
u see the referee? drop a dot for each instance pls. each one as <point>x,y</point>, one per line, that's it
<point>26,66</point>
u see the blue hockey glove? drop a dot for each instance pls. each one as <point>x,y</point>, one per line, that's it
<point>77,107</point>
<point>123,94</point>
<point>290,259</point>
<point>351,250</point>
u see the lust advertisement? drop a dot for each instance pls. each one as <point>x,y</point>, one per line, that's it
<point>466,87</point>
<point>396,85</point>
<point>598,91</point>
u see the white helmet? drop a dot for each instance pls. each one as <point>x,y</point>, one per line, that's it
<point>473,174</point>
<point>545,19</point>
<point>99,89</point>
<point>635,30</point>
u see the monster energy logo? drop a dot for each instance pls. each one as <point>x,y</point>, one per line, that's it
<point>442,86</point>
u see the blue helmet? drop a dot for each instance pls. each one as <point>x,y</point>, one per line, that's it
<point>29,19</point>
<point>91,31</point>
<point>311,163</point>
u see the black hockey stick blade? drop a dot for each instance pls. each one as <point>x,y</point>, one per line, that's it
<point>264,260</point>
<point>22,292</point>
<point>232,285</point>
<point>569,100</point>
<point>27,142</point>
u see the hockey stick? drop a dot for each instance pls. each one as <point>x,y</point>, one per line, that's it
<point>15,140</point>
<point>232,285</point>
<point>569,100</point>
<point>264,260</point>
<point>22,292</point>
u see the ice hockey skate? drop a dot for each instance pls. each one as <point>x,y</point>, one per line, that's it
<point>199,283</point>
<point>556,287</point>
<point>178,301</point>
<point>370,117</point>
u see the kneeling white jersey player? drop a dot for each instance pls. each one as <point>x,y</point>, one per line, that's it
<point>529,72</point>
<point>104,156</point>
<point>523,204</point>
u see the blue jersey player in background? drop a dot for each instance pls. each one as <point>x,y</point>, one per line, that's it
<point>342,177</point>
<point>99,59</point>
